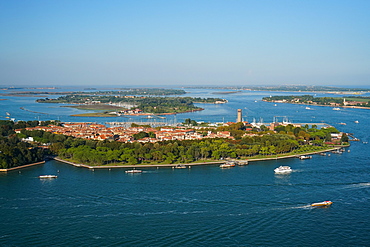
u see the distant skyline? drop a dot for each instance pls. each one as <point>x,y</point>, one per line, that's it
<point>184,43</point>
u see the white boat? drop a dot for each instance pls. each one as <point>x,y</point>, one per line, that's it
<point>180,166</point>
<point>227,165</point>
<point>308,108</point>
<point>283,169</point>
<point>336,109</point>
<point>322,204</point>
<point>48,176</point>
<point>356,121</point>
<point>304,157</point>
<point>342,123</point>
<point>134,171</point>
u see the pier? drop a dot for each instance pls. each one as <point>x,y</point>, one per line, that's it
<point>353,138</point>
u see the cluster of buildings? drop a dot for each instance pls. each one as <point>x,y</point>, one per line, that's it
<point>93,131</point>
<point>101,132</point>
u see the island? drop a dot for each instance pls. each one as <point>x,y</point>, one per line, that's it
<point>292,88</point>
<point>95,145</point>
<point>349,102</point>
<point>88,91</point>
<point>132,105</point>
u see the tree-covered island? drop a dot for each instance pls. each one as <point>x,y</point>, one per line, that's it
<point>117,92</point>
<point>29,142</point>
<point>129,105</point>
<point>353,101</point>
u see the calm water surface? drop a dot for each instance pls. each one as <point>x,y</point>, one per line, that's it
<point>242,206</point>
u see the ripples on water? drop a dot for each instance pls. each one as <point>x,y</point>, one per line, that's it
<point>242,206</point>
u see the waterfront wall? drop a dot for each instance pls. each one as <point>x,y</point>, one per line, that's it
<point>21,167</point>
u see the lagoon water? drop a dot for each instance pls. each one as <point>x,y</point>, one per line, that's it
<point>242,206</point>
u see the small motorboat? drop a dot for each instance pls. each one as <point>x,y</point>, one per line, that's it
<point>304,157</point>
<point>322,204</point>
<point>227,165</point>
<point>134,171</point>
<point>180,166</point>
<point>283,170</point>
<point>48,176</point>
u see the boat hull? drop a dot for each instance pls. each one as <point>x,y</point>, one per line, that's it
<point>322,204</point>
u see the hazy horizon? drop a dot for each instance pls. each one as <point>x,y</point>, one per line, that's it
<point>184,43</point>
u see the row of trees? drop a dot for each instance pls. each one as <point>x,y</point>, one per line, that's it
<point>14,152</point>
<point>177,151</point>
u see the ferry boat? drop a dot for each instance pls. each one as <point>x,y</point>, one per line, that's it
<point>283,170</point>
<point>322,204</point>
<point>134,171</point>
<point>48,176</point>
<point>227,165</point>
<point>304,157</point>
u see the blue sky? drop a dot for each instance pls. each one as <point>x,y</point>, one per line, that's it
<point>181,43</point>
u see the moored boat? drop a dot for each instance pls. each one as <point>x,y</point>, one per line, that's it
<point>242,163</point>
<point>283,170</point>
<point>227,165</point>
<point>304,157</point>
<point>48,176</point>
<point>180,166</point>
<point>134,171</point>
<point>322,204</point>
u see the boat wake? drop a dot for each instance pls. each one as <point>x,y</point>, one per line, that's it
<point>300,207</point>
<point>358,185</point>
